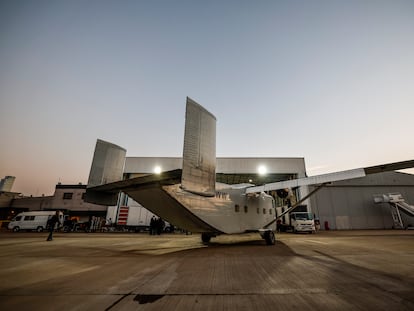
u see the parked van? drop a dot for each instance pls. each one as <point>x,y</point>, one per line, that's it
<point>35,220</point>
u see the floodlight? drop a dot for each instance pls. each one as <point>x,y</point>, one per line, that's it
<point>262,170</point>
<point>157,169</point>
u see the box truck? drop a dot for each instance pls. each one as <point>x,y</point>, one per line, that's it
<point>131,217</point>
<point>299,220</point>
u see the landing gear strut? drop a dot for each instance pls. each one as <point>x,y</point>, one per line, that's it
<point>269,237</point>
<point>205,237</point>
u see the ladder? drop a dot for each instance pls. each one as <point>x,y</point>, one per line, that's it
<point>396,216</point>
<point>396,202</point>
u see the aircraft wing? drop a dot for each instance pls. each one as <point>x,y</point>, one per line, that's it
<point>331,177</point>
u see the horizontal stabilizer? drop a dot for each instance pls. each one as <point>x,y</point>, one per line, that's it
<point>331,177</point>
<point>149,191</point>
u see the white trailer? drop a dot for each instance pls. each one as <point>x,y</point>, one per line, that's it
<point>133,216</point>
<point>35,220</point>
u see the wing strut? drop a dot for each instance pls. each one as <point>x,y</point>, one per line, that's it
<point>297,203</point>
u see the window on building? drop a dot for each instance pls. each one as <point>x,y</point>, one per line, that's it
<point>264,211</point>
<point>246,209</point>
<point>83,196</point>
<point>270,211</point>
<point>237,208</point>
<point>258,210</point>
<point>67,196</point>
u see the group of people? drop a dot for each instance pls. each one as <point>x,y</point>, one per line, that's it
<point>156,226</point>
<point>55,223</point>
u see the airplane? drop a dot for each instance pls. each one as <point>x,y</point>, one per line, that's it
<point>190,198</point>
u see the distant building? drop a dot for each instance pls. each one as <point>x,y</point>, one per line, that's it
<point>68,198</point>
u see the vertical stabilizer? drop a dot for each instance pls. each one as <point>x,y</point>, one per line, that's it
<point>199,154</point>
<point>6,184</point>
<point>107,166</point>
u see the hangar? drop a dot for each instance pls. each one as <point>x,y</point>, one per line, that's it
<point>349,204</point>
<point>344,205</point>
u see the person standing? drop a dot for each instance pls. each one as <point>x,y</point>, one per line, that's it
<point>51,224</point>
<point>160,225</point>
<point>279,225</point>
<point>152,225</point>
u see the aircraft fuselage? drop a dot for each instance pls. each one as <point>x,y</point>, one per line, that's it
<point>229,211</point>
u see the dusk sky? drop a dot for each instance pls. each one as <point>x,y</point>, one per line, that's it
<point>330,81</point>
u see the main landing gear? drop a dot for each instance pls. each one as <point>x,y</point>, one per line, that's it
<point>205,237</point>
<point>268,236</point>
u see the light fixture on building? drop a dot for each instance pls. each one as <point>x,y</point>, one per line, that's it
<point>262,170</point>
<point>157,169</point>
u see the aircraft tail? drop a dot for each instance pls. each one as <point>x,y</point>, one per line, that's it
<point>107,167</point>
<point>199,154</point>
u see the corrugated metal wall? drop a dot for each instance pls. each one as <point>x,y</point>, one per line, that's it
<point>349,204</point>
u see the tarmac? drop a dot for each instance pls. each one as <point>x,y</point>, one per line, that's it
<point>330,270</point>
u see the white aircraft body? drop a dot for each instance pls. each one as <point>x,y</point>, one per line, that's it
<point>190,198</point>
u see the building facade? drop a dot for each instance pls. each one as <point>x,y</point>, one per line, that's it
<point>68,198</point>
<point>349,204</point>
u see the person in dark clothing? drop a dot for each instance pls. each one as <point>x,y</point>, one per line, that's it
<point>51,223</point>
<point>279,225</point>
<point>153,225</point>
<point>160,225</point>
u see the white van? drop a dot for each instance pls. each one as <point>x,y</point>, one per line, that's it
<point>36,220</point>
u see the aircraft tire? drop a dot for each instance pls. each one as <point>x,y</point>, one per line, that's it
<point>205,238</point>
<point>270,238</point>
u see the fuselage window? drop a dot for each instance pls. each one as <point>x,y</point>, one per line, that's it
<point>237,208</point>
<point>246,209</point>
